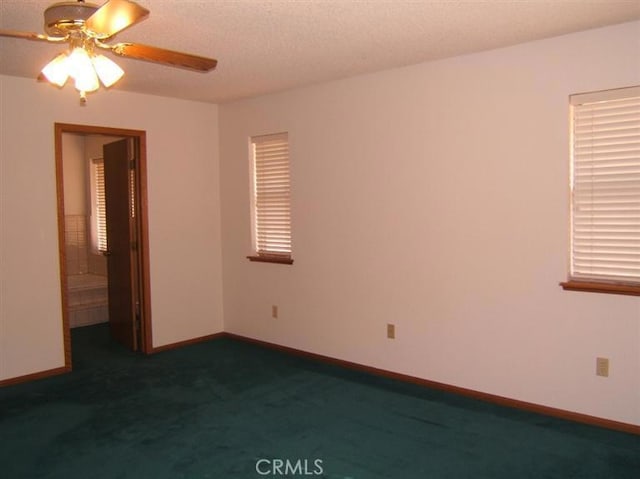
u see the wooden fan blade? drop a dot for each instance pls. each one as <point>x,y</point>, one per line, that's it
<point>27,36</point>
<point>114,16</point>
<point>167,57</point>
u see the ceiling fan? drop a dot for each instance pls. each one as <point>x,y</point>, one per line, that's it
<point>87,28</point>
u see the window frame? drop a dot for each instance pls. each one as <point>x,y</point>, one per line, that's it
<point>584,282</point>
<point>266,255</point>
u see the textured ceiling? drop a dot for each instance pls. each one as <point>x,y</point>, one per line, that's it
<point>267,46</point>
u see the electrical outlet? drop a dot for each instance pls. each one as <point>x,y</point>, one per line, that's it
<point>602,367</point>
<point>274,311</point>
<point>391,331</point>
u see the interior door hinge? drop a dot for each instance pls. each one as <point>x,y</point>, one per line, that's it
<point>132,164</point>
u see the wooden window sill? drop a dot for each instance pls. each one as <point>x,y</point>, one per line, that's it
<point>270,259</point>
<point>608,288</point>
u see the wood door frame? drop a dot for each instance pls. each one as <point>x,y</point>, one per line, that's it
<point>146,345</point>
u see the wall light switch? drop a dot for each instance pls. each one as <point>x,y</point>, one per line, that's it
<point>391,331</point>
<point>274,311</point>
<point>602,367</point>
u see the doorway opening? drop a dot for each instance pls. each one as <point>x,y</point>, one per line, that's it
<point>122,261</point>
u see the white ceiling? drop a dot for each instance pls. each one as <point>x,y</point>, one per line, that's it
<point>266,46</point>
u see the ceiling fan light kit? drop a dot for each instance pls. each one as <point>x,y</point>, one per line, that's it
<point>84,66</point>
<point>85,27</point>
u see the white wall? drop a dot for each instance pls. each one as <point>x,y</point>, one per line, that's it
<point>435,197</point>
<point>74,173</point>
<point>184,223</point>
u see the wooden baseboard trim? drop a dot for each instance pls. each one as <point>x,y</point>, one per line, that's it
<point>35,376</point>
<point>67,369</point>
<point>187,342</point>
<point>492,398</point>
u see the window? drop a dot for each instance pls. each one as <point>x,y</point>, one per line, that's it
<point>98,207</point>
<point>271,198</point>
<point>605,192</point>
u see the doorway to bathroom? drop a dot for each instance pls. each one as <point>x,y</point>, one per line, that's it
<point>103,234</point>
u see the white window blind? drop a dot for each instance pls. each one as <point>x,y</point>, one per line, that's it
<point>99,227</point>
<point>605,186</point>
<point>271,195</point>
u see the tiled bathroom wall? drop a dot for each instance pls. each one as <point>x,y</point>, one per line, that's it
<point>75,229</point>
<point>87,292</point>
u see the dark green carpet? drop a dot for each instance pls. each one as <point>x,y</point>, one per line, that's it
<point>214,409</point>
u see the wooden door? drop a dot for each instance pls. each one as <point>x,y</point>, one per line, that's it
<point>121,254</point>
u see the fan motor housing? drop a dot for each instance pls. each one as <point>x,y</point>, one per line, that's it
<point>62,17</point>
